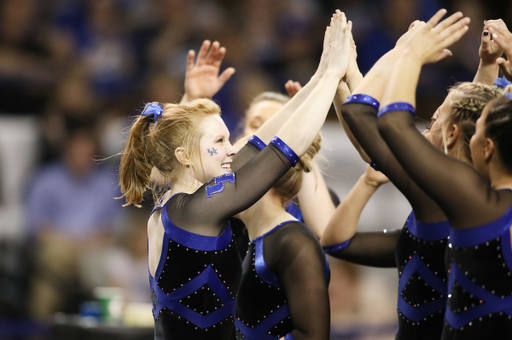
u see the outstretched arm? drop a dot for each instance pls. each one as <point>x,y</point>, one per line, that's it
<point>343,224</point>
<point>503,38</point>
<point>202,79</point>
<point>362,121</point>
<point>340,238</point>
<point>460,191</point>
<point>489,52</point>
<point>315,201</point>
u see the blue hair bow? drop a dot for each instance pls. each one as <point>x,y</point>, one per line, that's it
<point>152,109</point>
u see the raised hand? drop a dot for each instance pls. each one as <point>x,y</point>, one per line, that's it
<point>374,178</point>
<point>489,49</point>
<point>339,49</point>
<point>503,38</point>
<point>202,79</point>
<point>292,87</point>
<point>413,27</point>
<point>324,59</point>
<point>429,42</point>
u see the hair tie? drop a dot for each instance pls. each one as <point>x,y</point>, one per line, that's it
<point>152,109</point>
<point>509,96</point>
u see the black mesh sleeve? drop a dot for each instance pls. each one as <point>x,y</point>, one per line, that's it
<point>465,196</point>
<point>374,249</point>
<point>213,203</point>
<point>248,152</point>
<point>293,253</point>
<point>362,120</point>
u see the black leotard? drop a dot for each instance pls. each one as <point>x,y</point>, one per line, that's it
<point>478,215</point>
<point>197,279</point>
<point>284,286</point>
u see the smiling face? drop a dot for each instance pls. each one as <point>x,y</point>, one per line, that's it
<point>216,151</point>
<point>259,113</point>
<point>434,132</point>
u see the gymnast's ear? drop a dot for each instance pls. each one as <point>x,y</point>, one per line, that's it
<point>181,156</point>
<point>452,136</point>
<point>489,150</point>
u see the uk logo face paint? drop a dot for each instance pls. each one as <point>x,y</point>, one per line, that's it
<point>212,151</point>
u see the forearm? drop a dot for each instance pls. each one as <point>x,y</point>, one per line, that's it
<point>341,96</point>
<point>403,81</point>
<point>354,79</point>
<point>375,81</point>
<point>373,249</point>
<point>343,224</point>
<point>315,201</point>
<point>308,119</point>
<point>270,128</point>
<point>487,73</point>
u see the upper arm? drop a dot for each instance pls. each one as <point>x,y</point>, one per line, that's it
<point>224,196</point>
<point>300,268</point>
<point>362,120</point>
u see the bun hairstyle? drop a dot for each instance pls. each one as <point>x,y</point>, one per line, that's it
<point>498,127</point>
<point>152,142</point>
<point>289,185</point>
<point>467,109</point>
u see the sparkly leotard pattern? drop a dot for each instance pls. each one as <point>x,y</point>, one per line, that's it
<point>422,287</point>
<point>195,284</point>
<point>262,311</point>
<point>480,282</point>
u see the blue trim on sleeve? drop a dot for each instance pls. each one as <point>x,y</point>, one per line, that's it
<point>256,141</point>
<point>286,150</point>
<point>363,99</point>
<point>334,248</point>
<point>398,106</point>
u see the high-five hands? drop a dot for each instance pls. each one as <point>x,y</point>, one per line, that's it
<point>429,43</point>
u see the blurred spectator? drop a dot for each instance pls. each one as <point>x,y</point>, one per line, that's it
<point>72,213</point>
<point>27,69</point>
<point>102,43</point>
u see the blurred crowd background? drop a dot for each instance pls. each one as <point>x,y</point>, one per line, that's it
<point>74,72</point>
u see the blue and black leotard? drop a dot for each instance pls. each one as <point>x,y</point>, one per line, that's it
<point>196,283</point>
<point>284,286</point>
<point>480,282</point>
<point>479,279</point>
<point>417,251</point>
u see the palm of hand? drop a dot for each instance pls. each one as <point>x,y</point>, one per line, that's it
<point>203,81</point>
<point>490,52</point>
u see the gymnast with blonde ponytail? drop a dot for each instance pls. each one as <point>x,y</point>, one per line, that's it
<point>194,266</point>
